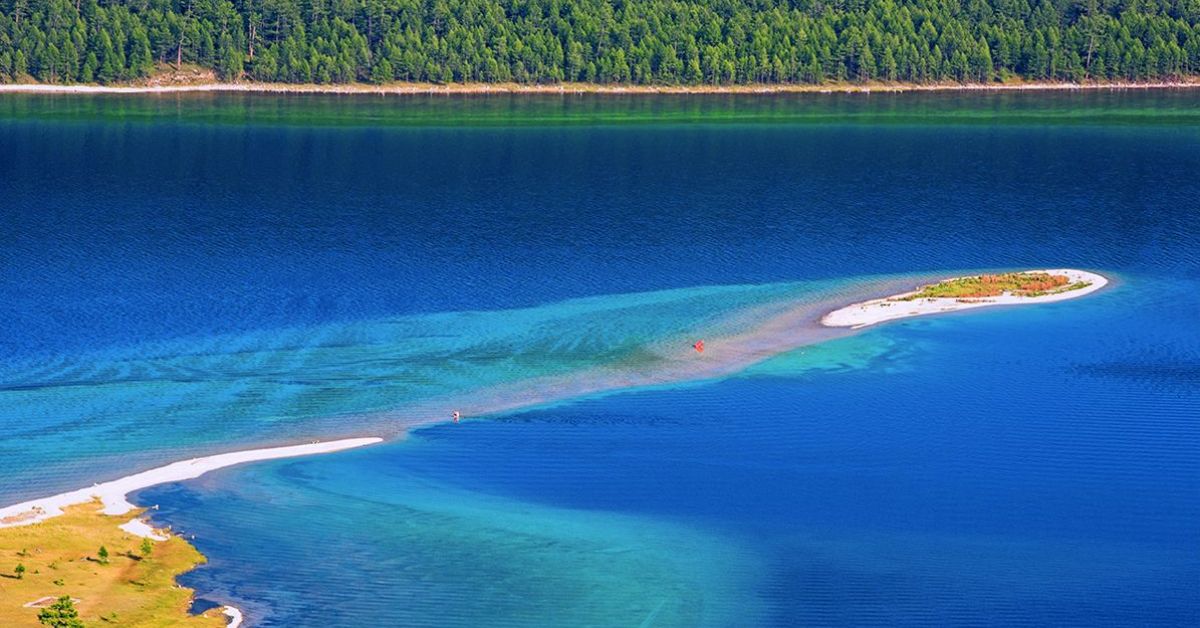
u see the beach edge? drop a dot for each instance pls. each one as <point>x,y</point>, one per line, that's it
<point>114,494</point>
<point>585,88</point>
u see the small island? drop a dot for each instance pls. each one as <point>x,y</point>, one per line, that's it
<point>975,291</point>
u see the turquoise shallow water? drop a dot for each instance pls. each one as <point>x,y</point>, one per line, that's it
<point>177,283</point>
<point>124,407</point>
<point>998,467</point>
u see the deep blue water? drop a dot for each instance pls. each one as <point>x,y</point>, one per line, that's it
<point>172,286</point>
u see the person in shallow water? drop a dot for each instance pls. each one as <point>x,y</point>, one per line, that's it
<point>457,416</point>
<point>699,346</point>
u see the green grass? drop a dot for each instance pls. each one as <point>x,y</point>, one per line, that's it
<point>982,286</point>
<point>60,558</point>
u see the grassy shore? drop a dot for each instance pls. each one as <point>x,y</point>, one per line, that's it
<point>60,557</point>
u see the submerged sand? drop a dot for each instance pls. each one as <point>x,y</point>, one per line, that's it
<point>751,337</point>
<point>759,336</point>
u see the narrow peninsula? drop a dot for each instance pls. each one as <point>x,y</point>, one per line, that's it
<point>975,291</point>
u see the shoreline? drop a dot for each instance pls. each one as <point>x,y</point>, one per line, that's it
<point>108,573</point>
<point>587,88</point>
<point>113,494</point>
<point>867,313</point>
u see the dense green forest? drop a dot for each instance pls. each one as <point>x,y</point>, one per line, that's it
<point>602,41</point>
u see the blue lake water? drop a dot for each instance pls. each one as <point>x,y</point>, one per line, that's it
<point>175,286</point>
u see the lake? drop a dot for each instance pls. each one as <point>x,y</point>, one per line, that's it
<point>198,273</point>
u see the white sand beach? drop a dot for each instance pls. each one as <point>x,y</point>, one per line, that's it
<point>859,315</point>
<point>113,494</point>
<point>139,527</point>
<point>234,615</point>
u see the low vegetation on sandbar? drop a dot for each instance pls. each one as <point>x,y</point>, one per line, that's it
<point>82,562</point>
<point>1032,284</point>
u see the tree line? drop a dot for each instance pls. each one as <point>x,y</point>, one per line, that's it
<point>641,42</point>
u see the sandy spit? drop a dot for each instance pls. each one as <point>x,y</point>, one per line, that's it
<point>113,494</point>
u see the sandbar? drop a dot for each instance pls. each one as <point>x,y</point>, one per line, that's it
<point>113,494</point>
